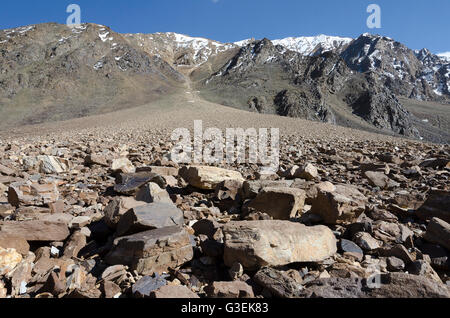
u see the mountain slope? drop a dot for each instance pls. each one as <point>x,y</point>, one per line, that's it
<point>413,74</point>
<point>179,49</point>
<point>53,72</point>
<point>270,79</point>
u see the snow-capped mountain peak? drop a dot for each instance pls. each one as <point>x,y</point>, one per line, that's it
<point>313,45</point>
<point>307,45</point>
<point>180,48</point>
<point>445,56</point>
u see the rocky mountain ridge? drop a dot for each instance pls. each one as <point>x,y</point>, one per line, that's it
<point>65,72</point>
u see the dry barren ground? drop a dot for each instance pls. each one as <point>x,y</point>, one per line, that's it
<point>95,207</point>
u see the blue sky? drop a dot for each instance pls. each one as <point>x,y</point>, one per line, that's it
<point>415,23</point>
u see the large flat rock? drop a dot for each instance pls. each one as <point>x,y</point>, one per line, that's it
<point>149,217</point>
<point>256,244</point>
<point>207,178</point>
<point>152,251</point>
<point>36,230</point>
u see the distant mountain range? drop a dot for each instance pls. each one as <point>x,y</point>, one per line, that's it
<point>53,72</point>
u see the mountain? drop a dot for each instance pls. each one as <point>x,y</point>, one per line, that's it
<point>315,45</point>
<point>413,74</point>
<point>445,56</point>
<point>268,78</point>
<point>179,49</point>
<point>53,72</point>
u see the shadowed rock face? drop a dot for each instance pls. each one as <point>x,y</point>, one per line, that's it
<point>393,285</point>
<point>408,73</point>
<point>62,73</point>
<point>272,79</point>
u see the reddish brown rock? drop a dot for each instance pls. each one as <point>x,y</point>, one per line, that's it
<point>36,230</point>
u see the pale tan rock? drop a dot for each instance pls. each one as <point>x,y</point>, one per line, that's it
<point>235,289</point>
<point>256,244</point>
<point>207,178</point>
<point>307,172</point>
<point>124,165</point>
<point>52,165</point>
<point>9,259</point>
<point>152,192</point>
<point>173,292</point>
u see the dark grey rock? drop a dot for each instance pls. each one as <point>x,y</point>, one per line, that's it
<point>146,285</point>
<point>149,217</point>
<point>277,283</point>
<point>347,246</point>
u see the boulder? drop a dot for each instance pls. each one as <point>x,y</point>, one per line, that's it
<point>74,245</point>
<point>149,217</point>
<point>95,159</point>
<point>279,203</point>
<point>14,241</point>
<point>151,192</point>
<point>235,289</point>
<point>118,207</point>
<point>52,165</point>
<point>9,259</point>
<point>152,251</point>
<point>395,264</point>
<point>173,292</point>
<point>380,180</point>
<point>278,283</point>
<point>398,251</point>
<point>438,232</point>
<point>208,178</point>
<point>123,165</point>
<point>366,241</point>
<point>400,285</point>
<point>392,285</point>
<point>346,246</point>
<point>250,189</point>
<point>110,290</point>
<point>6,171</point>
<point>307,172</point>
<point>437,205</point>
<point>28,193</point>
<point>130,183</point>
<point>36,230</point>
<point>146,285</point>
<point>256,244</point>
<point>343,205</point>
